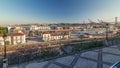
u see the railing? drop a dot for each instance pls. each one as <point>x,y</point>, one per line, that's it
<point>26,55</point>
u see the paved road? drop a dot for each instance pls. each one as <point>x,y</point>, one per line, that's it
<point>98,58</point>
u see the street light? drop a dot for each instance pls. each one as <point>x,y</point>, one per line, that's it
<point>107,31</point>
<point>5,65</point>
<point>107,34</point>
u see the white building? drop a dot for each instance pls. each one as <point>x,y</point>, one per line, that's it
<point>13,39</point>
<point>35,27</point>
<point>48,36</point>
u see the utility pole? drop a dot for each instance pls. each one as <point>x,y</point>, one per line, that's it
<point>107,31</point>
<point>116,20</point>
<point>106,41</point>
<point>5,65</point>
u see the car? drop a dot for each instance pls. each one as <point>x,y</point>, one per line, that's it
<point>116,65</point>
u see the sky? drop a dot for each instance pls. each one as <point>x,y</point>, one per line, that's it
<point>57,11</point>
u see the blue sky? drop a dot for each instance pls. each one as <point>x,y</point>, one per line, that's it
<point>56,11</point>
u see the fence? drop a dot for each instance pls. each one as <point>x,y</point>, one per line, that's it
<point>41,52</point>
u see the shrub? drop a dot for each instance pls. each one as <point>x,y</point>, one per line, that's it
<point>88,45</point>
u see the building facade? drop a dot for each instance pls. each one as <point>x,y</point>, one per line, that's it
<point>35,27</point>
<point>49,36</point>
<point>13,39</point>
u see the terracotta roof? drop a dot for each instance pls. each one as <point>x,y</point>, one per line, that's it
<point>46,33</point>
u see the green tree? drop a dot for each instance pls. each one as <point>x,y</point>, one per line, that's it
<point>3,30</point>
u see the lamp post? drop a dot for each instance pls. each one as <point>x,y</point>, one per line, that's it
<point>5,65</point>
<point>107,31</point>
<point>106,41</point>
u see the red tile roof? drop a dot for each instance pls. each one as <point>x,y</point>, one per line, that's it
<point>46,33</point>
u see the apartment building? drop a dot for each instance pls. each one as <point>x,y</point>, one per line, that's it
<point>35,27</point>
<point>47,36</point>
<point>13,39</point>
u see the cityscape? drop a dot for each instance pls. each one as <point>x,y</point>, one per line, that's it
<point>48,34</point>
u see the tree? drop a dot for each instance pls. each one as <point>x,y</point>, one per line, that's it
<point>3,30</point>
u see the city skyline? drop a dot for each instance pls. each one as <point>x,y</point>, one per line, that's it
<point>56,11</point>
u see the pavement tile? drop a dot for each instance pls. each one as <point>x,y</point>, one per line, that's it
<point>65,60</point>
<point>90,54</point>
<point>105,66</point>
<point>111,50</point>
<point>110,58</point>
<point>83,63</point>
<point>54,66</point>
<point>36,65</point>
<point>96,50</point>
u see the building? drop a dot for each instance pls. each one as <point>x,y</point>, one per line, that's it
<point>47,36</point>
<point>68,27</point>
<point>13,39</point>
<point>15,29</point>
<point>35,27</point>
